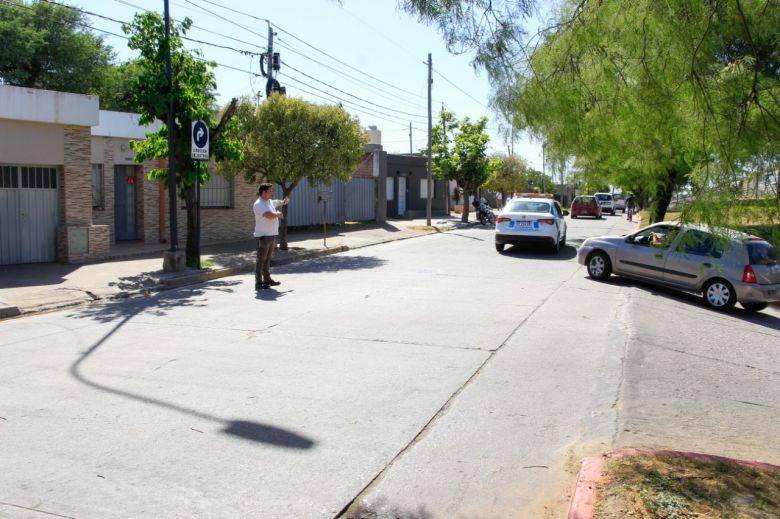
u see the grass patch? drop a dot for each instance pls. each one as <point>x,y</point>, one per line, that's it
<point>672,487</point>
<point>207,264</point>
<point>422,228</point>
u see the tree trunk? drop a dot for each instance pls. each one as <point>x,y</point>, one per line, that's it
<point>503,199</point>
<point>286,192</point>
<point>190,248</point>
<point>664,197</point>
<point>283,222</point>
<point>464,216</point>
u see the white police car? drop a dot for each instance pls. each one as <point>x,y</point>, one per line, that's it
<point>531,219</point>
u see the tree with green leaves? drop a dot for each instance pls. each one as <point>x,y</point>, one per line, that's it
<point>459,153</point>
<point>193,99</point>
<point>655,96</point>
<point>508,174</point>
<point>49,46</point>
<point>287,139</point>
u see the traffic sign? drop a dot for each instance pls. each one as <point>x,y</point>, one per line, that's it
<point>200,140</point>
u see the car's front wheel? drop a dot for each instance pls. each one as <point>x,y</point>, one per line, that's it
<point>719,294</point>
<point>599,266</point>
<point>754,307</point>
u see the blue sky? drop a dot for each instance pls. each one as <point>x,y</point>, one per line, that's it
<point>372,36</point>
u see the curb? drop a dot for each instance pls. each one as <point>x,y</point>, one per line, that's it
<point>583,499</point>
<point>7,310</point>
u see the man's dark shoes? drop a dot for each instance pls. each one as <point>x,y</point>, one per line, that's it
<point>261,286</point>
<point>272,283</point>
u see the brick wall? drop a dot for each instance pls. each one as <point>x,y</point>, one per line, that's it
<point>366,167</point>
<point>148,203</point>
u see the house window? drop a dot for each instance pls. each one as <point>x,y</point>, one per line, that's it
<point>97,187</point>
<point>217,192</point>
<point>423,188</point>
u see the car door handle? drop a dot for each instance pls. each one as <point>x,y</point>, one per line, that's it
<point>707,264</point>
<point>659,255</point>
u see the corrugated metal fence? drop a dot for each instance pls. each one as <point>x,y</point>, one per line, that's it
<point>353,201</point>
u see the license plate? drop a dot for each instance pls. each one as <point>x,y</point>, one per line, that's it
<point>524,225</point>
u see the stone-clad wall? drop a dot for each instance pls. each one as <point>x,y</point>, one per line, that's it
<point>75,196</point>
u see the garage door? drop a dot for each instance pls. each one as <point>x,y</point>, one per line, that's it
<point>28,214</point>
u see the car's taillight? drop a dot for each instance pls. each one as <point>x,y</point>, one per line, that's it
<point>548,221</point>
<point>502,219</point>
<point>748,276</point>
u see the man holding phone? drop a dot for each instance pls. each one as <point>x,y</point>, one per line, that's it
<point>266,231</point>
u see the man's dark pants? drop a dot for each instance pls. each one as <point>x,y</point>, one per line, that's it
<point>265,250</point>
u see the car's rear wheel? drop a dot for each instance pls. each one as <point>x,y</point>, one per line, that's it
<point>599,266</point>
<point>556,247</point>
<point>754,307</point>
<point>573,216</point>
<point>719,294</point>
<point>499,247</point>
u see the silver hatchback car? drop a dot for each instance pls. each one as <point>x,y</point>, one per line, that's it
<point>725,266</point>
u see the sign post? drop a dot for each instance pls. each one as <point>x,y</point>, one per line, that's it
<point>200,151</point>
<point>324,194</point>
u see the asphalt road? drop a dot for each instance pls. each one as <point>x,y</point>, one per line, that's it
<point>429,377</point>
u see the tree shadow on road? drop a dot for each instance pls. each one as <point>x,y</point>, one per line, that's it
<point>759,318</point>
<point>159,304</point>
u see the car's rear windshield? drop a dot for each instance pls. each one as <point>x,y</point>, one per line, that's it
<point>584,200</point>
<point>604,197</point>
<point>762,253</point>
<point>526,206</point>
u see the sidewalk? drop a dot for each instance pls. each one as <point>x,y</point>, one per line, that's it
<point>136,270</point>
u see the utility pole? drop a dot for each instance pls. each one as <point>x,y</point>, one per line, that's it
<point>544,145</point>
<point>447,182</point>
<point>430,130</point>
<point>171,262</point>
<point>411,150</point>
<point>512,140</point>
<point>269,61</point>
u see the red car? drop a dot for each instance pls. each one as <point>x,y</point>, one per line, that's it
<point>585,206</point>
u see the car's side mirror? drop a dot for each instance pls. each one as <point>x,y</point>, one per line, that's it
<point>565,212</point>
<point>629,239</point>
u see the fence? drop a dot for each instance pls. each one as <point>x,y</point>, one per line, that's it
<point>354,201</point>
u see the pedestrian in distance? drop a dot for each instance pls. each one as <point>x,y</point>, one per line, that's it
<point>266,230</point>
<point>630,202</point>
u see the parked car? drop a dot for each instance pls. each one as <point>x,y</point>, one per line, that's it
<point>606,202</point>
<point>585,206</point>
<point>723,265</point>
<point>619,202</point>
<point>531,220</point>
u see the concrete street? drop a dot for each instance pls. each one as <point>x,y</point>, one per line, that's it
<point>427,378</point>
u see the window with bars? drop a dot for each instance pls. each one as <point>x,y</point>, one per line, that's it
<point>98,189</point>
<point>217,192</point>
<point>28,177</point>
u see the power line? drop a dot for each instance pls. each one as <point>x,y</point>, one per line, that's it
<point>351,95</point>
<point>283,43</point>
<point>225,19</point>
<point>445,78</point>
<point>80,24</point>
<point>200,28</point>
<point>373,111</point>
<point>343,63</point>
<point>110,19</point>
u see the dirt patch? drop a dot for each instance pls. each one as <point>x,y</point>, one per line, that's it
<point>674,487</point>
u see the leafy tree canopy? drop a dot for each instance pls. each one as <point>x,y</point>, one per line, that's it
<point>287,139</point>
<point>49,46</point>
<point>193,98</point>
<point>654,96</point>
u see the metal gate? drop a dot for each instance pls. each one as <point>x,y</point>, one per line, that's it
<point>361,200</point>
<point>28,214</point>
<point>124,203</point>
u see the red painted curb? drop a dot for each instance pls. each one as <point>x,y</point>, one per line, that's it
<point>583,500</point>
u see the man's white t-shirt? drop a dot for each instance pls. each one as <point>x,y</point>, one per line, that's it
<point>265,226</point>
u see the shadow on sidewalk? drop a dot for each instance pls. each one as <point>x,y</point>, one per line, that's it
<point>123,312</point>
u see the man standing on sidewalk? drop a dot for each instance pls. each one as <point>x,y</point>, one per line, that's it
<point>266,230</point>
